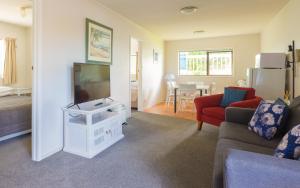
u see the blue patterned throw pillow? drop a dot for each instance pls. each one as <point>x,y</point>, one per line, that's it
<point>267,119</point>
<point>289,147</point>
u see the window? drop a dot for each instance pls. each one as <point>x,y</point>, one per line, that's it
<point>2,56</point>
<point>206,63</point>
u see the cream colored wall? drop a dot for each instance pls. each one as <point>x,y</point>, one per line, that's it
<point>280,32</point>
<point>61,41</point>
<point>245,47</point>
<point>29,56</point>
<point>23,51</point>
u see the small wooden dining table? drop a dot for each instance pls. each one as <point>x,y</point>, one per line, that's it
<point>199,87</point>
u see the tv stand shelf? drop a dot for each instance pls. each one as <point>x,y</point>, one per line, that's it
<point>91,129</point>
<point>91,108</point>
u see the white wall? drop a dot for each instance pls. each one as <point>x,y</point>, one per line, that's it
<point>22,35</point>
<point>245,47</point>
<point>61,41</point>
<point>29,56</point>
<point>280,32</point>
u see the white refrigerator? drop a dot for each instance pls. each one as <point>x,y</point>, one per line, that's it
<point>269,78</point>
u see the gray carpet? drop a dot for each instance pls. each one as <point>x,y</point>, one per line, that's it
<point>157,151</point>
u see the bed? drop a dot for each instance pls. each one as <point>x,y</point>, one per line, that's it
<point>15,115</point>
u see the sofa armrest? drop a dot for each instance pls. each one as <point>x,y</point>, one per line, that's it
<point>239,115</point>
<point>250,103</point>
<point>248,169</point>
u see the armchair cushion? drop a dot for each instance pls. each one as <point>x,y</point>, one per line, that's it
<point>232,95</point>
<point>216,112</point>
<point>248,103</point>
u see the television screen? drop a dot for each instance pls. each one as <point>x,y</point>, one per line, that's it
<point>91,82</point>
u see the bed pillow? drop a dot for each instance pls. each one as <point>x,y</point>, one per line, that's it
<point>231,96</point>
<point>267,119</point>
<point>5,91</point>
<point>289,147</point>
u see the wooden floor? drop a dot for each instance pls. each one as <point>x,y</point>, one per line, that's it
<point>163,109</point>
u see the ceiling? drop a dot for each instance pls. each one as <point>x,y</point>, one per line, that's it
<point>215,17</point>
<point>10,12</point>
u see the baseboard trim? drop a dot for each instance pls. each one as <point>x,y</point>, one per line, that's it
<point>14,135</point>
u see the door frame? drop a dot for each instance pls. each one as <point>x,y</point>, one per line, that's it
<point>36,55</point>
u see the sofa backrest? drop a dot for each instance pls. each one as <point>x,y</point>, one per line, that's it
<point>250,91</point>
<point>294,114</point>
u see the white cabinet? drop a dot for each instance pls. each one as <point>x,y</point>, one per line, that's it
<point>89,131</point>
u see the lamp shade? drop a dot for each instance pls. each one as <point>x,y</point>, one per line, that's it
<point>170,77</point>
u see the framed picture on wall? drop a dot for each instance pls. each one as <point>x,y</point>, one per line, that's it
<point>99,40</point>
<point>155,57</point>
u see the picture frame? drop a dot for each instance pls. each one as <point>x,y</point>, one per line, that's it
<point>99,43</point>
<point>155,57</point>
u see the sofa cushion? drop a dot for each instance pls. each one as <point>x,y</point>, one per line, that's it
<point>222,147</point>
<point>293,118</point>
<point>216,112</point>
<point>241,133</point>
<point>267,119</point>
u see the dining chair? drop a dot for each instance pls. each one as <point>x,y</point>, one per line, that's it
<point>187,93</point>
<point>212,89</point>
<point>170,92</point>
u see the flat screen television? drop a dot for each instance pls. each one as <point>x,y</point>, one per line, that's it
<point>91,82</point>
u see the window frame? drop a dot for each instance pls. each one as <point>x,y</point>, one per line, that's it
<point>207,62</point>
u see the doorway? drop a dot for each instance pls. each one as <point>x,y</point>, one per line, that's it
<point>16,49</point>
<point>135,75</point>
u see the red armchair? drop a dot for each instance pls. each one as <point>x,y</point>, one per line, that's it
<point>209,109</point>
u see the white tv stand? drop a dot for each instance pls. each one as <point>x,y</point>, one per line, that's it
<point>91,129</point>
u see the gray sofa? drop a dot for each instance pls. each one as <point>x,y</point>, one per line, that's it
<point>244,159</point>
